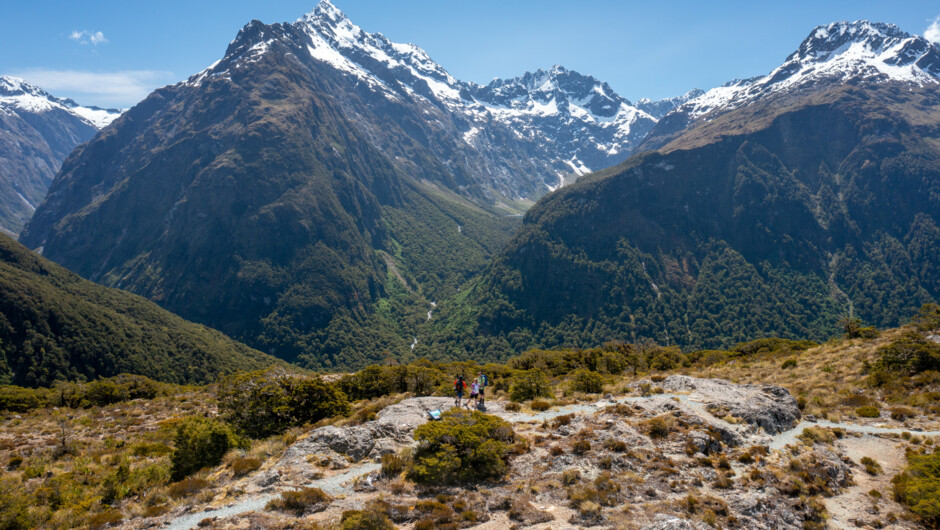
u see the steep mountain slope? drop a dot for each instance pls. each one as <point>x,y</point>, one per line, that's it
<point>37,132</point>
<point>772,218</point>
<point>265,197</point>
<point>56,326</point>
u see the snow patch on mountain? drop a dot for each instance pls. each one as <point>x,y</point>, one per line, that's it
<point>18,95</point>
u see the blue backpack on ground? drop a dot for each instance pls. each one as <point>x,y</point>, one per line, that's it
<point>435,414</point>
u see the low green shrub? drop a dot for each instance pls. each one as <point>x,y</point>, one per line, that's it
<point>464,446</point>
<point>365,520</point>
<point>245,465</point>
<point>200,442</point>
<point>187,487</point>
<point>393,464</point>
<point>123,387</point>
<point>668,359</point>
<point>789,363</point>
<point>18,399</point>
<point>918,486</point>
<point>14,506</point>
<point>370,382</point>
<point>868,412</point>
<point>902,413</point>
<point>912,353</point>
<point>871,466</point>
<point>300,502</point>
<point>540,405</point>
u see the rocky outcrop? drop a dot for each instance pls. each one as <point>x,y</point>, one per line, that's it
<point>769,407</point>
<point>391,430</point>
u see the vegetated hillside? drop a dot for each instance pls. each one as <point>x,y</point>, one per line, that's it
<point>55,326</point>
<point>827,205</point>
<point>248,200</point>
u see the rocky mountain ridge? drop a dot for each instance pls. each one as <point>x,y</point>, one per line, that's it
<point>37,132</point>
<point>562,123</point>
<point>841,53</point>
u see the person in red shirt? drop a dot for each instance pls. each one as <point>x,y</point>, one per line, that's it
<point>459,386</point>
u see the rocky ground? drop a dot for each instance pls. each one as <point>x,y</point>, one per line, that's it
<point>679,453</point>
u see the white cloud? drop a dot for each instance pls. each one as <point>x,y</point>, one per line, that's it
<point>105,89</point>
<point>88,37</point>
<point>932,33</point>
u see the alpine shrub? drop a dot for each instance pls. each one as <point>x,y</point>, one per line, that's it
<point>465,446</point>
<point>918,486</point>
<point>300,502</point>
<point>271,401</point>
<point>200,442</point>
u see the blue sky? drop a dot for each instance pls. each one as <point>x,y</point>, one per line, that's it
<point>113,52</point>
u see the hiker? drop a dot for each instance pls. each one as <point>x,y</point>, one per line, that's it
<point>474,394</point>
<point>459,386</point>
<point>481,381</point>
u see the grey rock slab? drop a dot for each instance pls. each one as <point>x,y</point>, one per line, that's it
<point>769,407</point>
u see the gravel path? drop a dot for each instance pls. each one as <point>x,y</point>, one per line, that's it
<point>335,485</point>
<point>789,437</point>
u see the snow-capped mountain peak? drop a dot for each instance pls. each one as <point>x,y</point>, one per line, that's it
<point>18,95</point>
<point>570,123</point>
<point>334,39</point>
<point>837,53</point>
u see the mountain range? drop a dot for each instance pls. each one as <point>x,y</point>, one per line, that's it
<point>37,132</point>
<point>784,203</point>
<point>333,198</point>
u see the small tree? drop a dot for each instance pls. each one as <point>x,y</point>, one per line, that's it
<point>529,384</point>
<point>851,327</point>
<point>587,381</point>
